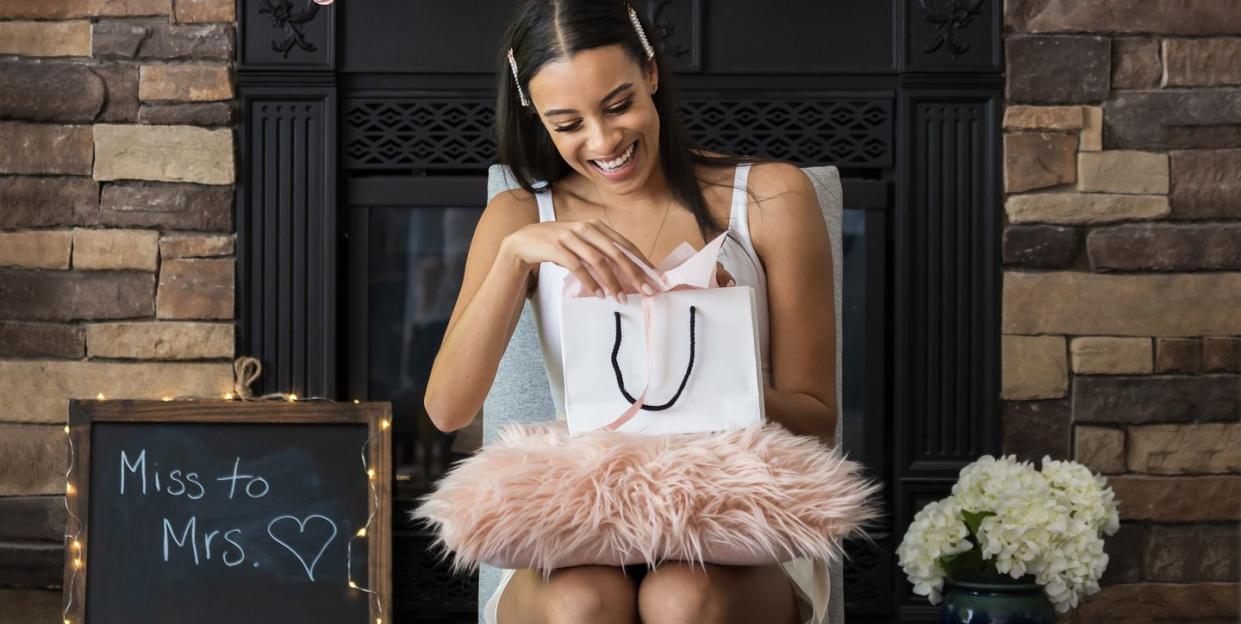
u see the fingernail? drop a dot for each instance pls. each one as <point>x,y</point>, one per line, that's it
<point>599,293</point>
<point>732,282</point>
<point>646,288</point>
<point>621,296</point>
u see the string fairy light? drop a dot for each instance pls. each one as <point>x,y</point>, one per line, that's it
<point>362,532</point>
<point>73,538</point>
<point>246,370</point>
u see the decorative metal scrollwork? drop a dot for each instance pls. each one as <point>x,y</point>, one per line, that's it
<point>418,134</point>
<point>412,134</point>
<point>855,132</point>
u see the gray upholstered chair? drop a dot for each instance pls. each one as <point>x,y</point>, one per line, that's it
<point>521,393</point>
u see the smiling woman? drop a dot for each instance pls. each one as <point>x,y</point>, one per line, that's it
<point>596,144</point>
<point>580,87</point>
<point>585,116</point>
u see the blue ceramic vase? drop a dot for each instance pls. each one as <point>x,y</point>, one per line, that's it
<point>1013,602</point>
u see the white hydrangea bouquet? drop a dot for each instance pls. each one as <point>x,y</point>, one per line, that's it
<point>1006,518</point>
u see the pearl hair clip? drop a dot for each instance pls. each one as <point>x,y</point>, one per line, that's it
<point>512,62</point>
<point>637,25</point>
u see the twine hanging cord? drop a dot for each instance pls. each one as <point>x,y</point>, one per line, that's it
<point>246,370</point>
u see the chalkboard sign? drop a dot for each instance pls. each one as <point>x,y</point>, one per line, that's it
<point>228,511</point>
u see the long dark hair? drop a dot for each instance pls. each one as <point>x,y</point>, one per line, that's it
<point>543,31</point>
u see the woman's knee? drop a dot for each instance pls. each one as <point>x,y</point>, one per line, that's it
<point>590,594</point>
<point>677,593</point>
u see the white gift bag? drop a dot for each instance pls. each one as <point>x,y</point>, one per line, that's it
<point>683,360</point>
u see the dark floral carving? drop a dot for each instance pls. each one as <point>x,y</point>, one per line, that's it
<point>956,16</point>
<point>665,30</point>
<point>290,19</point>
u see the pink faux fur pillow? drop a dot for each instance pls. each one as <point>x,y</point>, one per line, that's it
<point>543,499</point>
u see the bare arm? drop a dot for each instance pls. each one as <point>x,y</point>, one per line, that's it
<point>791,238</point>
<point>508,244</point>
<point>492,292</point>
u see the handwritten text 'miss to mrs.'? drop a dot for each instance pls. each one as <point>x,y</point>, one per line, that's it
<point>189,485</point>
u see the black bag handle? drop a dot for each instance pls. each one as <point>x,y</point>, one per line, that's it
<point>620,379</point>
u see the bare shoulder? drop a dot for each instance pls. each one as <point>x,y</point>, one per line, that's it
<point>512,207</point>
<point>771,180</point>
<point>785,200</point>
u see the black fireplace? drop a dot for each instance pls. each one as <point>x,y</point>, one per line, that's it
<point>367,132</point>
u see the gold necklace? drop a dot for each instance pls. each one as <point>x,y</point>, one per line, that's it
<point>667,209</point>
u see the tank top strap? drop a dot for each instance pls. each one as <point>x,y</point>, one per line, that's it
<point>547,212</point>
<point>738,219</point>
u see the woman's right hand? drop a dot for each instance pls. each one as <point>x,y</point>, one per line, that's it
<point>583,248</point>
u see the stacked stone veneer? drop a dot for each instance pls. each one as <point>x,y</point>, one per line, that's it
<point>116,244</point>
<point>1122,282</point>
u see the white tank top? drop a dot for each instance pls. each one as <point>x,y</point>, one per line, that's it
<point>737,255</point>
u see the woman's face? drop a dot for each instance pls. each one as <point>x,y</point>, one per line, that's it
<point>597,107</point>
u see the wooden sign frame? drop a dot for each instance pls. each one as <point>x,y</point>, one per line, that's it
<point>377,417</point>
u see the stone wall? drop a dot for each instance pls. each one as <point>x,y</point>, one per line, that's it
<point>116,239</point>
<point>1122,282</point>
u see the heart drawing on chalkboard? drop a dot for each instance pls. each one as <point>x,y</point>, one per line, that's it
<point>301,526</point>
